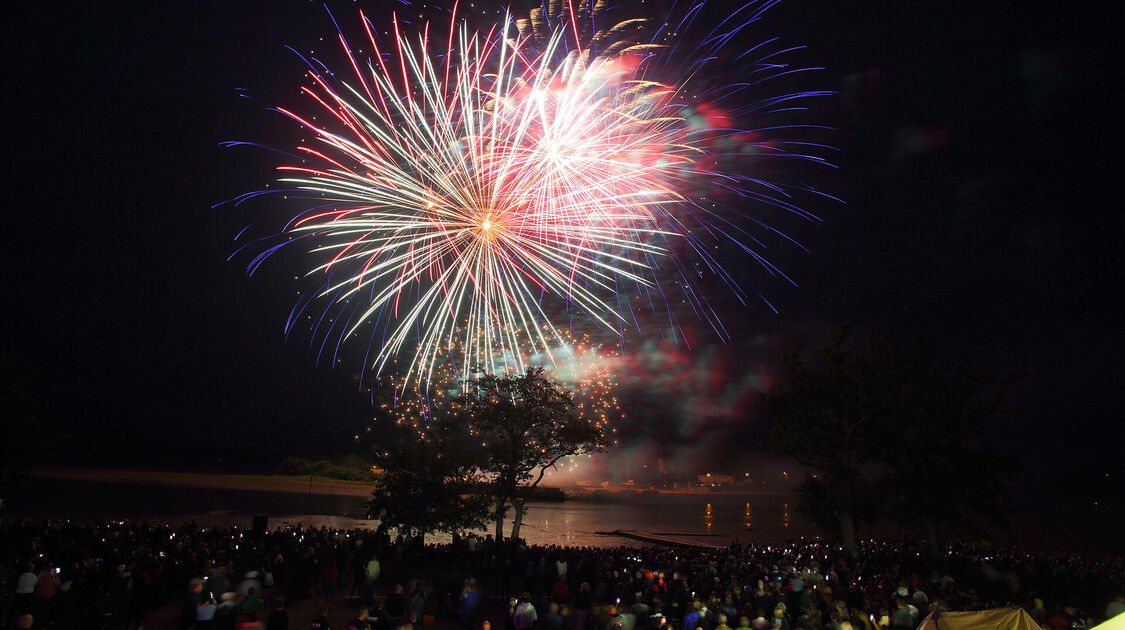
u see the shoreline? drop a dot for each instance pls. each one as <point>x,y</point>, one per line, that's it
<point>225,481</point>
<point>235,498</point>
<point>339,487</point>
<point>603,519</point>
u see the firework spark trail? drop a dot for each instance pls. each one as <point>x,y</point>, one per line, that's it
<point>451,201</point>
<point>585,370</point>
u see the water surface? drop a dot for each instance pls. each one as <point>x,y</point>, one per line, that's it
<point>705,519</point>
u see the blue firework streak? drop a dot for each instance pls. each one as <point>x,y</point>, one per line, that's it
<point>470,193</point>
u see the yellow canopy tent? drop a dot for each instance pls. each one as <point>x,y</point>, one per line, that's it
<point>997,619</point>
<point>1115,623</point>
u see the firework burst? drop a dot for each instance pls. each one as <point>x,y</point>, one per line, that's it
<point>466,191</point>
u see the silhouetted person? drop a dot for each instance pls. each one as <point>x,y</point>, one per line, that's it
<point>279,618</point>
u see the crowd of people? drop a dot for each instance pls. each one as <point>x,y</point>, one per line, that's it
<point>65,574</point>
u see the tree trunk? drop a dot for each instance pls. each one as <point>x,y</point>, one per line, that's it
<point>847,532</point>
<point>520,510</point>
<point>932,540</point>
<point>500,511</point>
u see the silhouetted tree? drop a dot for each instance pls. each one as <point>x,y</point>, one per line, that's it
<point>430,484</point>
<point>940,475</point>
<point>826,414</point>
<point>526,423</point>
<point>24,441</point>
<point>893,430</point>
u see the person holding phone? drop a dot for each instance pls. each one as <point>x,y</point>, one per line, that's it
<point>45,590</point>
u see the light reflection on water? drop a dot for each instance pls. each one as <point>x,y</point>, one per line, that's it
<point>710,519</point>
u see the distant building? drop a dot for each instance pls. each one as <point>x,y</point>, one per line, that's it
<point>712,479</point>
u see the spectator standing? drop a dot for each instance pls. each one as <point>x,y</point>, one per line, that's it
<point>62,608</point>
<point>552,620</point>
<point>417,606</point>
<point>139,599</point>
<point>616,620</point>
<point>470,601</point>
<point>205,615</point>
<point>395,605</point>
<point>693,619</point>
<point>359,575</point>
<point>560,592</point>
<point>902,619</point>
<point>189,608</point>
<point>524,616</point>
<point>25,589</point>
<point>45,586</point>
<point>252,603</point>
<point>250,583</point>
<point>373,570</point>
<point>279,617</point>
<point>582,603</point>
<point>226,613</point>
<point>360,622</point>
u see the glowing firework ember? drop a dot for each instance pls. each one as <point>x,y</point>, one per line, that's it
<point>466,190</point>
<point>585,371</point>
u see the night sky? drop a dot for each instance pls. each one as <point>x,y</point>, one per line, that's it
<point>974,157</point>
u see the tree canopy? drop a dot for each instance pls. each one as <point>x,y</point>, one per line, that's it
<point>939,474</point>
<point>525,423</point>
<point>27,443</point>
<point>429,483</point>
<point>893,430</point>
<point>471,454</point>
<point>825,415</point>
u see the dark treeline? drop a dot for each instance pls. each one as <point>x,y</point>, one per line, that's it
<point>899,431</point>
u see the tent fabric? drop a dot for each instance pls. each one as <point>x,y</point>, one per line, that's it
<point>997,619</point>
<point>1115,623</point>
